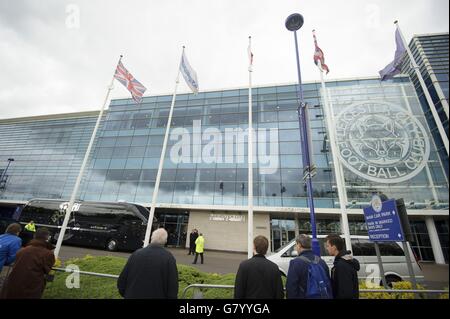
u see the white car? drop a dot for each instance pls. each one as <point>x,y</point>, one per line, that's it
<point>392,255</point>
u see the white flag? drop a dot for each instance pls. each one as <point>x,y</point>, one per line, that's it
<point>250,55</point>
<point>190,76</point>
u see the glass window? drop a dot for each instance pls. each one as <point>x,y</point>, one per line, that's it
<point>131,174</point>
<point>207,174</point>
<point>185,175</point>
<point>145,189</point>
<point>98,174</point>
<point>366,247</point>
<point>127,191</point>
<point>225,188</point>
<point>149,174</point>
<point>290,148</point>
<point>266,117</point>
<point>123,141</point>
<point>230,108</point>
<point>225,174</point>
<point>139,141</point>
<point>106,141</point>
<point>134,163</point>
<point>232,118</point>
<point>168,174</point>
<point>110,187</point>
<point>114,175</point>
<point>101,163</point>
<point>390,249</point>
<point>121,152</point>
<point>291,175</point>
<point>117,163</point>
<point>291,161</point>
<point>104,152</point>
<point>153,151</point>
<point>293,189</point>
<point>137,152</point>
<point>288,116</point>
<point>156,139</point>
<point>289,135</point>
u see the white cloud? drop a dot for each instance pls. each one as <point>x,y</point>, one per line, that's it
<point>48,67</point>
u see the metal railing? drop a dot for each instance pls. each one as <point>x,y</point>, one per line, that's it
<point>209,286</point>
<point>86,273</point>
<point>361,291</point>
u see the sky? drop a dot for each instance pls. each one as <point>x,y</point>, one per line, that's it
<point>59,56</point>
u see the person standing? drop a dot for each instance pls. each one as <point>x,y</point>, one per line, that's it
<point>28,276</point>
<point>308,276</point>
<point>344,274</point>
<point>31,227</point>
<point>151,272</point>
<point>199,247</point>
<point>10,243</point>
<point>257,277</point>
<point>28,233</point>
<point>192,238</point>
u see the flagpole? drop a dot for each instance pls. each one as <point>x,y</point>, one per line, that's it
<point>340,181</point>
<point>426,92</point>
<point>250,158</point>
<point>80,174</point>
<point>161,162</point>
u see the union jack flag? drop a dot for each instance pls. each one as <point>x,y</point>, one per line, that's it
<point>319,56</point>
<point>134,86</point>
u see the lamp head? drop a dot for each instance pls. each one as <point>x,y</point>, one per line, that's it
<point>294,22</point>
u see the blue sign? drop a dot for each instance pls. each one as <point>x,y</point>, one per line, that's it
<point>383,221</point>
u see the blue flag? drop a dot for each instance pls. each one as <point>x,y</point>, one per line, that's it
<point>189,74</point>
<point>394,67</point>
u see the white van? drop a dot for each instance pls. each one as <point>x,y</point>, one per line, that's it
<point>392,256</point>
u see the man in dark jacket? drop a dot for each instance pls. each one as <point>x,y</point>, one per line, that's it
<point>258,278</point>
<point>33,263</point>
<point>192,238</point>
<point>297,277</point>
<point>344,274</point>
<point>150,272</point>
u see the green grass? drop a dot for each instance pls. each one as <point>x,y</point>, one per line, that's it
<point>92,287</point>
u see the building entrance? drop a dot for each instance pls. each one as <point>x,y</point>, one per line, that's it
<point>176,223</point>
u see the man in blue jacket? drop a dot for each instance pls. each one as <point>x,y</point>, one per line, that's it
<point>297,277</point>
<point>10,243</point>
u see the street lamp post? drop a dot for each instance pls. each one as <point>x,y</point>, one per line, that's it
<point>6,170</point>
<point>293,23</point>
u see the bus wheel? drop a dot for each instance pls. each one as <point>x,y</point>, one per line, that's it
<point>111,245</point>
<point>390,279</point>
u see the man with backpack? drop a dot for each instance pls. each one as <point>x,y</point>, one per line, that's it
<point>308,276</point>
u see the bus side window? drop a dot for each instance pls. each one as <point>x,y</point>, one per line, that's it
<point>367,248</point>
<point>390,249</point>
<point>356,247</point>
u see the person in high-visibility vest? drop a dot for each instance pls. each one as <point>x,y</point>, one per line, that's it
<point>31,226</point>
<point>199,245</point>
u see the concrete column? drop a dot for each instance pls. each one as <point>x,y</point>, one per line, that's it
<point>297,231</point>
<point>434,238</point>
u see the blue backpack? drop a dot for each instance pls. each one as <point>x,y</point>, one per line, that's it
<point>319,285</point>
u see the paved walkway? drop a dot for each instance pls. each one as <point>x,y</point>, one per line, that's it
<point>214,262</point>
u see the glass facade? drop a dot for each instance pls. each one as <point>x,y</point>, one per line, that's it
<point>384,145</point>
<point>431,52</point>
<point>47,155</point>
<point>125,157</point>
